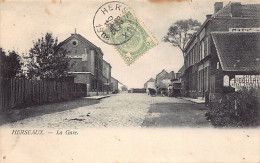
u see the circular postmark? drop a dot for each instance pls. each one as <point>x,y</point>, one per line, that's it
<point>114,24</point>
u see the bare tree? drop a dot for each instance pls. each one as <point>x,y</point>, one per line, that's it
<point>180,32</point>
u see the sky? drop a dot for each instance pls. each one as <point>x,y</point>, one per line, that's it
<point>22,22</point>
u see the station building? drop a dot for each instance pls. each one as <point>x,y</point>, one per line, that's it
<point>223,50</point>
<point>87,64</point>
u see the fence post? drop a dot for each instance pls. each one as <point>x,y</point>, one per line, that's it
<point>236,107</point>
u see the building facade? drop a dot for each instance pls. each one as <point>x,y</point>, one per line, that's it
<point>106,72</point>
<point>114,83</point>
<point>163,79</point>
<point>206,58</point>
<point>87,64</point>
<point>150,84</point>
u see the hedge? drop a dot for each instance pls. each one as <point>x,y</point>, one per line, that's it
<point>237,109</point>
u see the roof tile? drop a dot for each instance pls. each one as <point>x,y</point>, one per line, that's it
<point>238,51</point>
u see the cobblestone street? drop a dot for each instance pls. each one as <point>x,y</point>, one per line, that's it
<point>123,110</point>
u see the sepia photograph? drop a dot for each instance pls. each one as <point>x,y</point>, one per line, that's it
<point>129,81</point>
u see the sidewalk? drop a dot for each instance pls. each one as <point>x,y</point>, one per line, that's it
<point>97,97</point>
<point>197,101</point>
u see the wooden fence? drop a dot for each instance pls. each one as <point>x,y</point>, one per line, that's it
<point>17,92</point>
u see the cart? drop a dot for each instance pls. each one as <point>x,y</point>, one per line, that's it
<point>152,92</point>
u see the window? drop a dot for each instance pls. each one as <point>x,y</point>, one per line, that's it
<point>193,52</point>
<point>191,57</point>
<point>194,81</point>
<point>202,49</point>
<point>200,53</point>
<point>206,78</point>
<point>212,83</point>
<point>208,45</point>
<point>217,65</point>
<point>188,59</point>
<point>201,80</point>
<point>74,43</point>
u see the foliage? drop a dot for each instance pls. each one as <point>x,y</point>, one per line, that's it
<point>180,32</point>
<point>10,64</point>
<point>237,109</point>
<point>48,60</point>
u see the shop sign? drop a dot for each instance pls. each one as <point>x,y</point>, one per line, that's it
<point>244,29</point>
<point>245,81</point>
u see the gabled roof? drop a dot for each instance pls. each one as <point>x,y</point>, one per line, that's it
<point>248,10</point>
<point>238,51</point>
<point>163,71</point>
<point>251,10</point>
<point>114,78</point>
<point>81,38</point>
<point>150,80</point>
<point>181,70</point>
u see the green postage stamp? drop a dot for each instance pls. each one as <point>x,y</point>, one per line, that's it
<point>116,24</point>
<point>140,42</point>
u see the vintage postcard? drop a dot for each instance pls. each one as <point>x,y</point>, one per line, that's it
<point>129,81</point>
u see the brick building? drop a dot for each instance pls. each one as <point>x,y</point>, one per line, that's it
<point>227,43</point>
<point>87,64</point>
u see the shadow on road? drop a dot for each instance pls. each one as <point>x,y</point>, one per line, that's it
<point>14,115</point>
<point>176,115</point>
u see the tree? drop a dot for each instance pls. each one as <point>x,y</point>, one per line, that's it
<point>10,64</point>
<point>180,32</point>
<point>48,60</point>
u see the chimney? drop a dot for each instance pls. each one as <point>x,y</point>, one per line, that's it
<point>208,16</point>
<point>236,9</point>
<point>218,6</point>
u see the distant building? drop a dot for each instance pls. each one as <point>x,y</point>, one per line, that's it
<point>179,74</point>
<point>87,63</point>
<point>124,88</point>
<point>163,79</point>
<point>138,90</point>
<point>179,78</point>
<point>150,84</point>
<point>114,84</point>
<point>106,72</point>
<point>225,47</point>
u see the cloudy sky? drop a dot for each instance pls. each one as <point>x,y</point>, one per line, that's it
<point>21,22</point>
